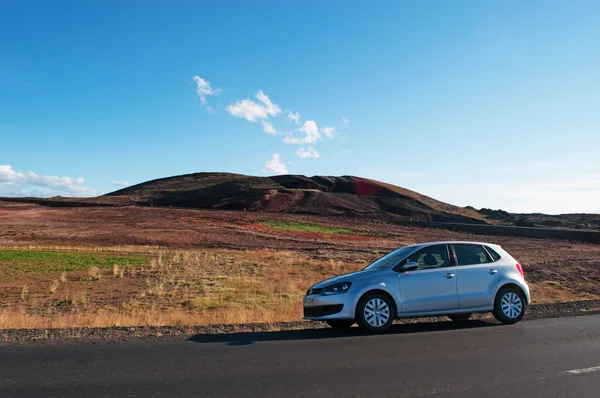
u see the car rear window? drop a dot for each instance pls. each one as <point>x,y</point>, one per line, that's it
<point>471,254</point>
<point>495,256</point>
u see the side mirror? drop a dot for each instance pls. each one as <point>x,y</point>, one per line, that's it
<point>411,266</point>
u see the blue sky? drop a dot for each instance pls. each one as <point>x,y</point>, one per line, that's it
<point>490,104</point>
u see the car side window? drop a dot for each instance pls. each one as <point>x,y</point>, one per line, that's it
<point>435,256</point>
<point>471,254</point>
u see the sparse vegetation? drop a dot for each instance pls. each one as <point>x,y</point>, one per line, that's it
<point>182,287</point>
<point>191,287</point>
<point>14,263</point>
<point>305,227</point>
<point>54,286</point>
<point>118,272</point>
<point>25,293</point>
<point>233,267</point>
<point>94,273</point>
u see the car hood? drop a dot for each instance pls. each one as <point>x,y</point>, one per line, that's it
<point>347,277</point>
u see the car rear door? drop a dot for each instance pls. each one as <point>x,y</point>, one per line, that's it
<point>476,276</point>
<point>432,287</point>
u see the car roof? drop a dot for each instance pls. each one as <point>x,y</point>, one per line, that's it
<point>451,242</point>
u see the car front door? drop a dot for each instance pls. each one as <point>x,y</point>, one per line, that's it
<point>431,287</point>
<point>476,276</point>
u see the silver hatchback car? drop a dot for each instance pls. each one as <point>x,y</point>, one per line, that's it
<point>429,279</point>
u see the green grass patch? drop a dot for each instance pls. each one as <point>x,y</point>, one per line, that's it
<point>15,263</point>
<point>304,227</point>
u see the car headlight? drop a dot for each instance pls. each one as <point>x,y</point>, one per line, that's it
<point>337,288</point>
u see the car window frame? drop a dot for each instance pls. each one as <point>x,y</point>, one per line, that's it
<point>392,267</point>
<point>488,255</point>
<point>490,250</point>
<point>451,259</point>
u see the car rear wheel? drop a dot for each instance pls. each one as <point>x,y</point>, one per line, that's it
<point>375,312</point>
<point>509,306</point>
<point>460,317</point>
<point>340,324</point>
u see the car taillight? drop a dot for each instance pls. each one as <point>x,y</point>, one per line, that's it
<point>520,269</point>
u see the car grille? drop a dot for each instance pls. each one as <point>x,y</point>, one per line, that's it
<point>313,291</point>
<point>323,310</point>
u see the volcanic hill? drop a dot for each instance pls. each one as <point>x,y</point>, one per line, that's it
<point>321,195</point>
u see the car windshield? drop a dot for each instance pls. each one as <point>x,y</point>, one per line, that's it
<point>391,259</point>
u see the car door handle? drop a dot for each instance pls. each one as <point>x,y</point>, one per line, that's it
<point>492,271</point>
<point>450,275</point>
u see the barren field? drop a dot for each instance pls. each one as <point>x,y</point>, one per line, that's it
<point>71,267</point>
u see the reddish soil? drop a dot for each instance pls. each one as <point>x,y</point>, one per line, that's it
<point>106,292</point>
<point>569,265</point>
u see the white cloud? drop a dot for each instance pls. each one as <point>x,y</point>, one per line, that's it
<point>204,89</point>
<point>16,183</point>
<point>248,110</point>
<point>308,153</point>
<point>311,134</point>
<point>261,108</point>
<point>272,109</point>
<point>209,109</point>
<point>269,128</point>
<point>292,140</point>
<point>251,110</point>
<point>345,120</point>
<point>294,117</point>
<point>311,130</point>
<point>121,183</point>
<point>274,165</point>
<point>328,131</point>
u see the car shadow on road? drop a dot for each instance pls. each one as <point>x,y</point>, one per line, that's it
<point>246,338</point>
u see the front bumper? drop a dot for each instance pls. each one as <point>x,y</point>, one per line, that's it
<point>337,306</point>
<point>322,310</point>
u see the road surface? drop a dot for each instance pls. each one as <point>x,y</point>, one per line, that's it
<point>551,358</point>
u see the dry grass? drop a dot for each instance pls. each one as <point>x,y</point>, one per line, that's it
<point>94,273</point>
<point>83,248</point>
<point>105,318</point>
<point>177,288</point>
<point>54,286</point>
<point>117,271</point>
<point>25,293</point>
<point>190,287</point>
<point>551,292</point>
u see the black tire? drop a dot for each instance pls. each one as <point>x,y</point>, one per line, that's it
<point>460,317</point>
<point>340,324</point>
<point>510,305</point>
<point>370,324</point>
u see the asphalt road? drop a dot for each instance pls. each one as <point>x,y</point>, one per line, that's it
<point>549,358</point>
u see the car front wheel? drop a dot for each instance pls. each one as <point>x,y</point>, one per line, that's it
<point>375,312</point>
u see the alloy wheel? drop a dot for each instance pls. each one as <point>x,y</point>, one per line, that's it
<point>376,312</point>
<point>511,305</point>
